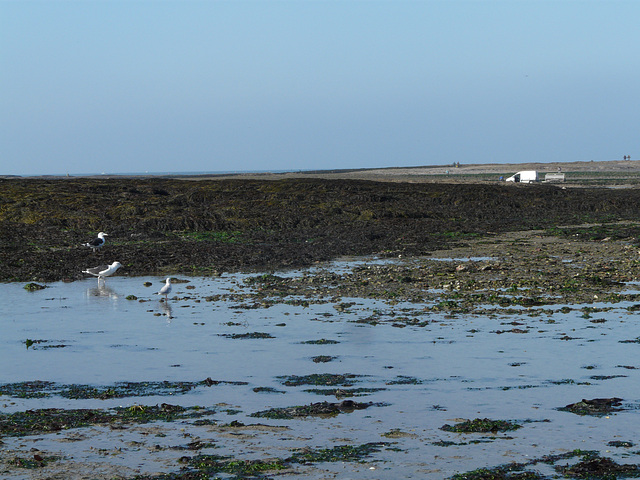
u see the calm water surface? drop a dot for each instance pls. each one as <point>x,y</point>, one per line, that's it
<point>454,368</point>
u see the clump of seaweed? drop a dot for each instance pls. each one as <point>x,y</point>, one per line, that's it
<point>481,425</point>
<point>55,419</point>
<point>323,358</point>
<point>405,380</point>
<point>596,406</point>
<point>37,461</point>
<point>517,471</point>
<point>344,392</point>
<point>620,444</point>
<point>208,466</point>
<point>41,389</point>
<point>35,389</point>
<point>499,473</point>
<point>599,468</point>
<point>34,287</point>
<point>634,340</point>
<point>250,335</point>
<point>30,342</point>
<point>319,379</point>
<point>266,390</point>
<point>340,453</point>
<point>212,464</point>
<point>320,408</point>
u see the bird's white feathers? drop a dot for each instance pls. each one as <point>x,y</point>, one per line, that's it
<point>102,271</point>
<point>166,289</point>
<point>97,242</point>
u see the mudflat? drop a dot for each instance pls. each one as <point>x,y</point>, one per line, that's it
<point>205,226</point>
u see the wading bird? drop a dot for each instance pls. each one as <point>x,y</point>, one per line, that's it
<point>166,289</point>
<point>102,271</point>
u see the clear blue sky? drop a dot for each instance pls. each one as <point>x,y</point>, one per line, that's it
<point>136,86</point>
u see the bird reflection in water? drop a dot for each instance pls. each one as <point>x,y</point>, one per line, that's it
<point>102,291</point>
<point>166,310</point>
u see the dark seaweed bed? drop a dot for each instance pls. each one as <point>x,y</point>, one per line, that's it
<point>167,226</point>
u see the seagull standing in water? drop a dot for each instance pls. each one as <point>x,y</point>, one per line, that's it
<point>166,289</point>
<point>96,243</point>
<point>102,271</point>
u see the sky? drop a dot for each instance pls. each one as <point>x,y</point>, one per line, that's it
<point>201,86</point>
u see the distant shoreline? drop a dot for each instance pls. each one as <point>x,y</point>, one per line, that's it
<point>413,173</point>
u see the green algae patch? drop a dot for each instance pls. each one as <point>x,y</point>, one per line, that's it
<point>344,392</point>
<point>42,389</point>
<point>30,342</point>
<point>250,335</point>
<point>34,287</point>
<point>210,466</point>
<point>405,380</point>
<point>36,344</point>
<point>499,473</point>
<point>206,466</point>
<point>339,453</point>
<point>36,389</point>
<point>620,444</point>
<point>635,340</point>
<point>518,471</point>
<point>481,425</point>
<point>314,409</point>
<point>267,390</point>
<point>597,468</point>
<point>397,433</point>
<point>323,359</point>
<point>50,420</point>
<point>37,461</point>
<point>594,407</point>
<point>319,379</point>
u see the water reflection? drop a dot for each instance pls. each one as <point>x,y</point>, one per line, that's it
<point>166,310</point>
<point>101,290</point>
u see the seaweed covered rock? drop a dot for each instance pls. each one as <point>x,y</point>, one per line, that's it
<point>320,408</point>
<point>596,406</point>
<point>599,467</point>
<point>481,425</point>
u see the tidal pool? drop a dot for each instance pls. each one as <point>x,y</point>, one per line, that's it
<point>418,376</point>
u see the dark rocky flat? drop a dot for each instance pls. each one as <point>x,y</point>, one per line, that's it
<point>160,226</point>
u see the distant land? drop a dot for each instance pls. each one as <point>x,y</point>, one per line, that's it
<point>605,173</point>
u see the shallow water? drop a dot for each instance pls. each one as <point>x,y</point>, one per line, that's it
<point>453,368</point>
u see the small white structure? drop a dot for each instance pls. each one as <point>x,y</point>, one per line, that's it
<point>526,176</point>
<point>554,177</point>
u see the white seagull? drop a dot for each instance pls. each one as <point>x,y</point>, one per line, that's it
<point>102,271</point>
<point>96,243</point>
<point>166,289</point>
